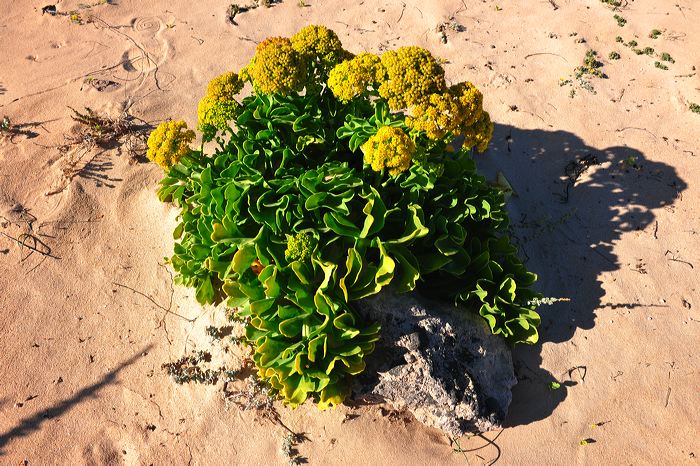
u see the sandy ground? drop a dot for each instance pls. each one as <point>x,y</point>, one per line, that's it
<point>83,333</point>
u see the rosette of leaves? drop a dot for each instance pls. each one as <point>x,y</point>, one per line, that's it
<point>284,220</point>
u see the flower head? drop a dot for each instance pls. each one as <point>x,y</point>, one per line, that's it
<point>352,78</point>
<point>213,114</point>
<point>453,111</point>
<point>319,43</point>
<point>225,87</point>
<point>436,116</point>
<point>277,67</point>
<point>479,134</point>
<point>470,103</point>
<point>390,148</point>
<point>413,75</point>
<point>169,142</point>
<point>299,246</point>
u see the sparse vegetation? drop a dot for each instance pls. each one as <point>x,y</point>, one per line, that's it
<point>667,57</point>
<point>655,33</point>
<point>614,56</point>
<point>695,108</point>
<point>660,65</point>
<point>620,20</point>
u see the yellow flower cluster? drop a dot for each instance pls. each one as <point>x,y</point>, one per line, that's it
<point>390,148</point>
<point>299,247</point>
<point>319,43</point>
<point>435,116</point>
<point>219,106</point>
<point>454,111</point>
<point>470,102</point>
<point>215,114</point>
<point>412,76</point>
<point>276,67</point>
<point>351,78</point>
<point>479,134</point>
<point>225,87</point>
<point>169,142</point>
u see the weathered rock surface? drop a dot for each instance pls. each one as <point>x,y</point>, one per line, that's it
<point>438,361</point>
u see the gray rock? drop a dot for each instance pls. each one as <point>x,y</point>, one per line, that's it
<point>438,361</point>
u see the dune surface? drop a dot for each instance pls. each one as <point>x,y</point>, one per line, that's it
<point>604,209</point>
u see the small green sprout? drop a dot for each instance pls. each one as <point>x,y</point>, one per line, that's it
<point>619,39</point>
<point>632,43</point>
<point>654,34</point>
<point>667,57</point>
<point>554,385</point>
<point>660,65</point>
<point>648,51</point>
<point>614,56</point>
<point>620,20</point>
<point>695,108</point>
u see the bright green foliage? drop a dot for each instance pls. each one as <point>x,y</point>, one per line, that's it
<point>290,223</point>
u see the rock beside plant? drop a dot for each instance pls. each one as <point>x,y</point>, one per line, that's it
<point>438,361</point>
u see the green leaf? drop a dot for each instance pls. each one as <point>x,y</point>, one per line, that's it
<point>205,291</point>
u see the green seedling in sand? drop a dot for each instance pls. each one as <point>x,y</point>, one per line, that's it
<point>660,65</point>
<point>695,108</point>
<point>667,57</point>
<point>620,20</point>
<point>655,34</point>
<point>614,56</point>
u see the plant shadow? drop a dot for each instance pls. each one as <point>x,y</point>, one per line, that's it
<point>33,423</point>
<point>96,170</point>
<point>572,203</point>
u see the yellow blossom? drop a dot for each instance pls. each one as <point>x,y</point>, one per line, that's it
<point>352,78</point>
<point>169,142</point>
<point>300,246</point>
<point>413,75</point>
<point>225,87</point>
<point>470,101</point>
<point>321,44</point>
<point>479,134</point>
<point>453,111</point>
<point>277,67</point>
<point>390,148</point>
<point>436,117</point>
<point>213,114</point>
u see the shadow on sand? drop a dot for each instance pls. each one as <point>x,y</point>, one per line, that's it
<point>30,424</point>
<point>573,203</point>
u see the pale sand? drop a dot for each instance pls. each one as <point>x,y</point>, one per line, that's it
<point>615,248</point>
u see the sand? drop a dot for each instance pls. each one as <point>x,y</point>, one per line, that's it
<point>84,331</point>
